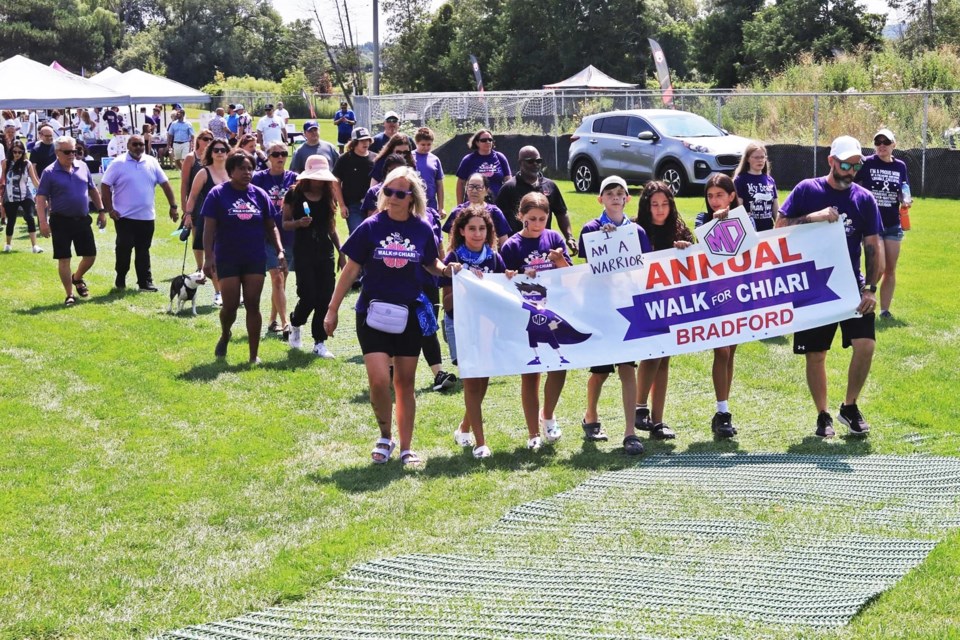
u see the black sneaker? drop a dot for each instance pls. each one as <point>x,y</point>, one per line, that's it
<point>850,415</point>
<point>660,431</point>
<point>443,380</point>
<point>593,432</point>
<point>722,425</point>
<point>149,286</point>
<point>825,425</point>
<point>642,419</point>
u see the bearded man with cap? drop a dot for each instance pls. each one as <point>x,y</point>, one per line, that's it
<point>835,197</point>
<point>391,125</point>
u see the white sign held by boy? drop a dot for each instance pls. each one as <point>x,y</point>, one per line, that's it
<point>613,249</point>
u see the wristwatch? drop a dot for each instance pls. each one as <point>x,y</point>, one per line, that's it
<point>872,288</point>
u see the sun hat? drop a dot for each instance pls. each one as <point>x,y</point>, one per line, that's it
<point>317,168</point>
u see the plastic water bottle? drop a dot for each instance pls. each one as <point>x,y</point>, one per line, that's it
<point>905,202</point>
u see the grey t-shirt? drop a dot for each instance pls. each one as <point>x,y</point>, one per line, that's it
<point>323,148</point>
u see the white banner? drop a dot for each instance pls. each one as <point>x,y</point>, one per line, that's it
<point>678,301</point>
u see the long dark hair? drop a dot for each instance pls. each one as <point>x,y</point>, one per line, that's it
<point>208,152</point>
<point>722,181</point>
<point>673,222</point>
<point>17,166</point>
<point>395,141</point>
<point>463,218</point>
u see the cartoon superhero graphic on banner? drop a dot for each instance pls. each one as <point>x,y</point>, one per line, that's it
<point>545,326</point>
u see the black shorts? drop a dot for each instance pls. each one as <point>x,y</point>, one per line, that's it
<point>610,368</point>
<point>393,344</point>
<point>67,231</point>
<point>198,233</point>
<point>820,338</point>
<point>237,269</point>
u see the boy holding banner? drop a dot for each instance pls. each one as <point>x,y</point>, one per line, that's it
<point>614,198</point>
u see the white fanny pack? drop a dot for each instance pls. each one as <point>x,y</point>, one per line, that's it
<point>387,317</point>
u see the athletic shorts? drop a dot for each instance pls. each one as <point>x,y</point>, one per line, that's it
<point>610,368</point>
<point>393,344</point>
<point>820,338</point>
<point>893,232</point>
<point>237,269</point>
<point>181,150</point>
<point>68,231</point>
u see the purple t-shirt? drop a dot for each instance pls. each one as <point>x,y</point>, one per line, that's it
<point>757,193</point>
<point>392,255</point>
<point>276,188</point>
<point>884,180</point>
<point>595,225</point>
<point>856,203</point>
<point>240,217</point>
<point>521,254</point>
<point>428,165</point>
<point>492,264</point>
<point>67,192</point>
<point>370,200</point>
<point>494,166</point>
<point>500,225</point>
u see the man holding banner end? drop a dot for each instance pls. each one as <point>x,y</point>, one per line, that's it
<point>829,199</point>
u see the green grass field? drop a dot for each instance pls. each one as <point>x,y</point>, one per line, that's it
<point>144,486</point>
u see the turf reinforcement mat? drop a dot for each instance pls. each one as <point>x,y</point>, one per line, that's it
<point>679,546</point>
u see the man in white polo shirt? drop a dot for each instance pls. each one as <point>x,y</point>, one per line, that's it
<point>128,189</point>
<point>270,129</point>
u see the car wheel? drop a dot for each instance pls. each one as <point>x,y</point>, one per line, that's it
<point>675,177</point>
<point>584,175</point>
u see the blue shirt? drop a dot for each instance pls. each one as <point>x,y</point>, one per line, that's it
<point>232,123</point>
<point>67,192</point>
<point>181,131</point>
<point>344,129</point>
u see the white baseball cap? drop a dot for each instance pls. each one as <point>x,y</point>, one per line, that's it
<point>845,147</point>
<point>613,181</point>
<point>886,133</point>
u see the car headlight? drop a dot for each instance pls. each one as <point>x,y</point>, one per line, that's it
<point>698,148</point>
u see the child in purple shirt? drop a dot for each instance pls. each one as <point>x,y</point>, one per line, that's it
<point>755,188</point>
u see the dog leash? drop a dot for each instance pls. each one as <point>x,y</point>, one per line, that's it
<point>186,243</point>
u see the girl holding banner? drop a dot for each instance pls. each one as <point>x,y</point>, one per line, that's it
<point>536,248</point>
<point>657,214</point>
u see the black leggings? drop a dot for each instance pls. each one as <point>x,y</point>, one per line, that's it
<point>315,285</point>
<point>431,344</point>
<point>24,207</point>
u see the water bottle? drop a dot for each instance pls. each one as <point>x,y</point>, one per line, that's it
<point>905,202</point>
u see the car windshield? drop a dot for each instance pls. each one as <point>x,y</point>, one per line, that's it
<point>685,125</point>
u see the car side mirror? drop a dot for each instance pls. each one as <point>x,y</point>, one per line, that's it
<point>649,136</point>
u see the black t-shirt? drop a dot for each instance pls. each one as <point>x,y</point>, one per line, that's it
<point>353,172</point>
<point>513,190</point>
<point>43,155</point>
<point>312,243</point>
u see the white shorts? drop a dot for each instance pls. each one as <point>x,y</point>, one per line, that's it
<point>180,150</point>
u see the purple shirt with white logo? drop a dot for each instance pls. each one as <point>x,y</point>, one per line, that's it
<point>494,166</point>
<point>521,254</point>
<point>240,216</point>
<point>757,194</point>
<point>392,255</point>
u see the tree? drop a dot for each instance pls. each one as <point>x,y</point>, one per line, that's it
<point>407,22</point>
<point>719,36</point>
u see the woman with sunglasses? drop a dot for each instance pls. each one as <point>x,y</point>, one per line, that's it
<point>485,160</point>
<point>239,219</point>
<point>18,194</point>
<point>399,143</point>
<point>212,173</point>
<point>192,165</point>
<point>396,249</point>
<point>276,181</point>
<point>248,143</point>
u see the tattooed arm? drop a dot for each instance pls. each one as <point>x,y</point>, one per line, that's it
<point>828,214</point>
<point>873,258</point>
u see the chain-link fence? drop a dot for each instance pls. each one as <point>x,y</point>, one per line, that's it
<point>324,104</point>
<point>803,124</point>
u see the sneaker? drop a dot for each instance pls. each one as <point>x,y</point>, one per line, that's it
<point>722,425</point>
<point>550,429</point>
<point>149,286</point>
<point>850,415</point>
<point>36,249</point>
<point>217,299</point>
<point>321,350</point>
<point>294,340</point>
<point>661,431</point>
<point>593,432</point>
<point>443,380</point>
<point>220,351</point>
<point>886,315</point>
<point>7,248</point>
<point>642,420</point>
<point>825,425</point>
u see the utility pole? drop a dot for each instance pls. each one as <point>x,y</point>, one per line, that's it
<point>376,47</point>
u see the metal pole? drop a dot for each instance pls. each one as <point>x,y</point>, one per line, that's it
<point>376,47</point>
<point>556,137</point>
<point>923,147</point>
<point>816,130</point>
<point>719,113</point>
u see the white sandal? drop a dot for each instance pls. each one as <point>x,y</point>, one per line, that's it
<point>483,451</point>
<point>380,451</point>
<point>462,439</point>
<point>409,457</point>
<point>551,430</point>
<point>534,443</point>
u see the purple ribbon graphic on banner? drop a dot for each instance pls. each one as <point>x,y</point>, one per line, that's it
<point>800,284</point>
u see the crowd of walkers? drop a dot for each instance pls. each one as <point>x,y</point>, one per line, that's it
<point>251,216</point>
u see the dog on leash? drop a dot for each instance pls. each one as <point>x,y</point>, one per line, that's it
<point>183,289</point>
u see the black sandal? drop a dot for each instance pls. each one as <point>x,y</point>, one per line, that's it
<point>632,445</point>
<point>70,301</point>
<point>660,431</point>
<point>81,287</point>
<point>593,432</point>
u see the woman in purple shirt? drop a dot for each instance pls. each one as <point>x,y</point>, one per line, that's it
<point>485,160</point>
<point>238,218</point>
<point>396,249</point>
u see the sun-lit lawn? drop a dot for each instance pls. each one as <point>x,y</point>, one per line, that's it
<point>143,486</point>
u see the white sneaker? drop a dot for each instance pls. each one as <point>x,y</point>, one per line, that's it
<point>37,249</point>
<point>551,431</point>
<point>294,340</point>
<point>217,299</point>
<point>321,350</point>
<point>7,248</point>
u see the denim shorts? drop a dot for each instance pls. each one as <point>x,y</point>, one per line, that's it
<point>893,232</point>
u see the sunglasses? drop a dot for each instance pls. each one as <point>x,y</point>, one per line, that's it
<point>485,140</point>
<point>68,152</point>
<point>137,144</point>
<point>205,139</point>
<point>399,194</point>
<point>533,160</point>
<point>846,166</point>
<point>219,150</point>
<point>882,143</point>
<point>392,120</point>
<point>279,154</point>
<point>16,151</point>
<point>474,187</point>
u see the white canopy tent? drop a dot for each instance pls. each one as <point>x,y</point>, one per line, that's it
<point>109,72</point>
<point>25,84</point>
<point>590,78</point>
<point>146,88</point>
